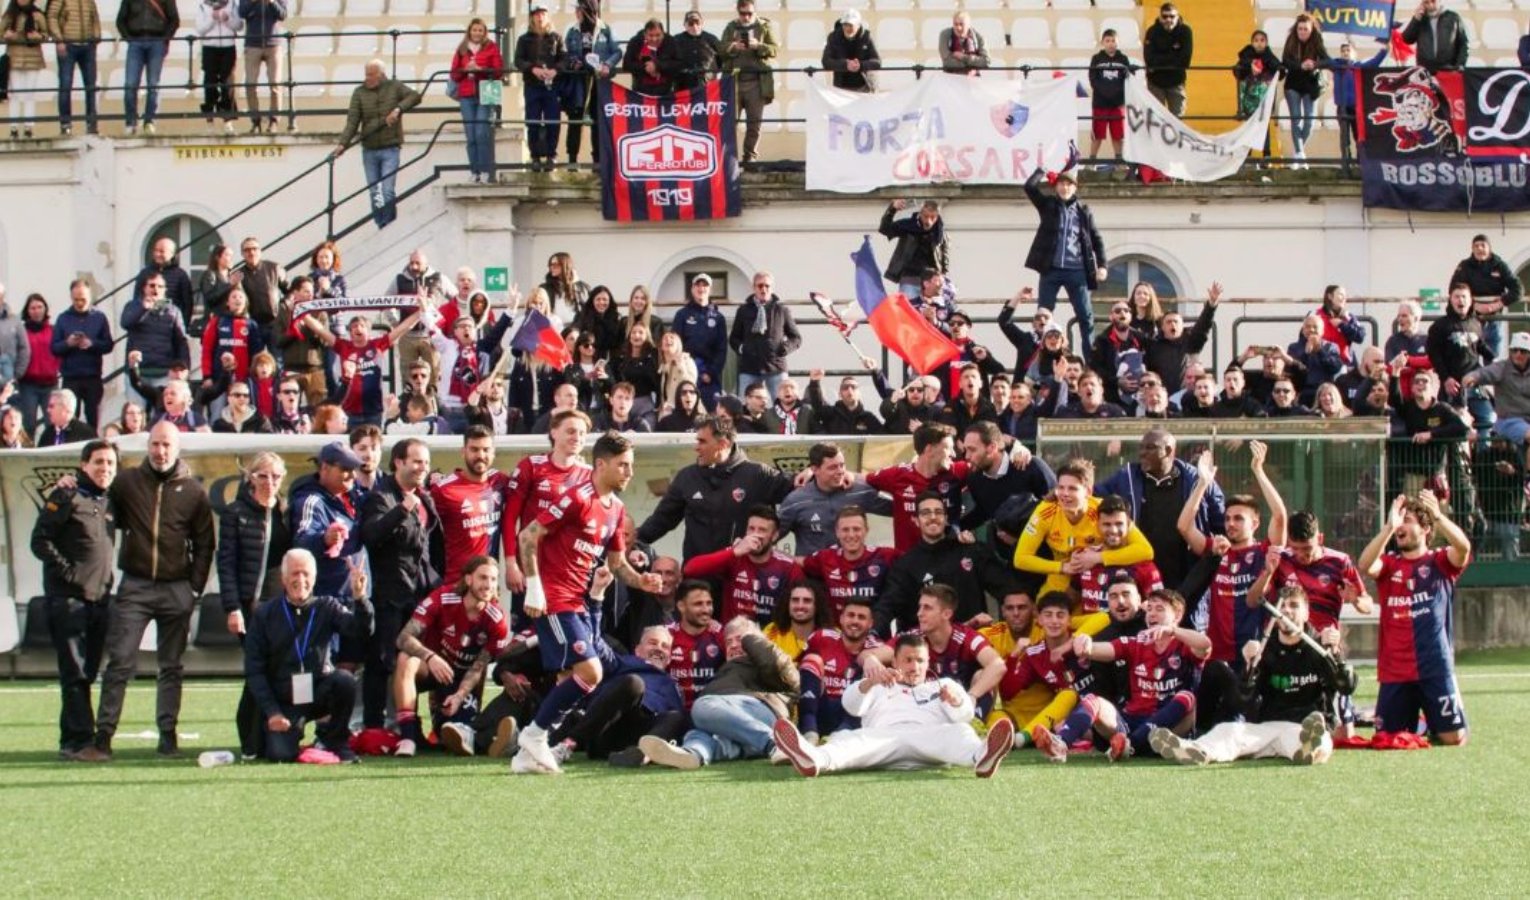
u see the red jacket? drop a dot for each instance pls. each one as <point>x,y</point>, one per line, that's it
<point>42,367</point>
<point>490,66</point>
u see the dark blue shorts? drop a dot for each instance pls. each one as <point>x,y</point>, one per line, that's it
<point>565,639</point>
<point>1398,705</point>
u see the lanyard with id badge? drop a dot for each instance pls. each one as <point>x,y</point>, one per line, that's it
<point>302,680</point>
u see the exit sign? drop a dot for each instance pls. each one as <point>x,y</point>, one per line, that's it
<point>497,279</point>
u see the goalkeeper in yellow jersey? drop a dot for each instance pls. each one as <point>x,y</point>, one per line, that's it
<point>1038,701</point>
<point>1068,524</point>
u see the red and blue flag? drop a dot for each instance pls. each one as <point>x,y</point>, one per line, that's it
<point>538,337</point>
<point>897,324</point>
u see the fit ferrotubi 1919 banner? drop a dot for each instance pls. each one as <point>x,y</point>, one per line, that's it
<point>669,157</point>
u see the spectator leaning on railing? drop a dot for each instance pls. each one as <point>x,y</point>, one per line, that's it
<point>76,25</point>
<point>748,46</point>
<point>962,49</point>
<point>591,54</point>
<point>1510,379</point>
<point>376,115</point>
<point>851,55</point>
<point>1168,48</point>
<point>692,54</point>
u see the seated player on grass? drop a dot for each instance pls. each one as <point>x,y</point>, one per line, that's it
<point>1037,689</point>
<point>445,649</point>
<point>830,665</point>
<point>1162,663</point>
<point>908,721</point>
<point>1292,688</point>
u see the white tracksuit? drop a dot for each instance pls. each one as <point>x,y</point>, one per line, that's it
<point>1254,740</point>
<point>903,727</point>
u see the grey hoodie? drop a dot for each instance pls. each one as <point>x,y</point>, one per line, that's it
<point>15,351</point>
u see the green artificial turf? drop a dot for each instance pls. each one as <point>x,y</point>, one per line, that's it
<point>1397,824</point>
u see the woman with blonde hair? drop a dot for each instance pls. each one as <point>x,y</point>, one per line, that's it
<point>640,311</point>
<point>538,54</point>
<point>1330,402</point>
<point>1146,310</point>
<point>476,61</point>
<point>675,368</point>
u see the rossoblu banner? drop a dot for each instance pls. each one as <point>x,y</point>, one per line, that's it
<point>942,129</point>
<point>1158,138</point>
<point>28,476</point>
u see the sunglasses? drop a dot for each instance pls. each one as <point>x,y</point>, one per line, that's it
<point>288,392</point>
<point>240,394</point>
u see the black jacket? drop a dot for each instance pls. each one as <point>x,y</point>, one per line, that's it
<point>255,424</point>
<point>1491,277</point>
<point>1444,47</point>
<point>1026,341</point>
<point>1167,53</point>
<point>145,19</point>
<point>687,60</point>
<point>178,287</point>
<point>1455,345</point>
<point>74,433</point>
<point>714,502</point>
<point>251,542</point>
<point>959,416</point>
<point>270,647</point>
<point>73,539</point>
<point>1166,357</point>
<point>839,50</point>
<point>632,64</point>
<point>167,524</point>
<point>971,569</point>
<point>839,419</point>
<point>916,248</point>
<point>407,557</point>
<point>1044,245</point>
<point>764,354</point>
<point>988,494</point>
<point>1107,79</point>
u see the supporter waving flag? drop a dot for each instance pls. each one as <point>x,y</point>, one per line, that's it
<point>538,337</point>
<point>899,328</point>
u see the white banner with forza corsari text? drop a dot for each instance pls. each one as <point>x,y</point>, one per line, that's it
<point>1158,138</point>
<point>942,129</point>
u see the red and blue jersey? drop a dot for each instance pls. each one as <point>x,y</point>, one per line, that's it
<point>751,589</point>
<point>1231,623</point>
<point>846,579</point>
<point>905,484</point>
<point>1154,675</point>
<point>1093,584</point>
<point>470,514</point>
<point>836,666</point>
<point>958,660</point>
<point>1323,580</point>
<point>1037,665</point>
<point>454,636</point>
<point>537,483</point>
<point>364,393</point>
<point>237,335</point>
<point>581,528</point>
<point>1417,623</point>
<point>695,658</point>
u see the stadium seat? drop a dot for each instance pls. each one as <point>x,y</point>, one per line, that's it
<point>36,634</point>
<point>808,34</point>
<point>1492,5</point>
<point>1277,27</point>
<point>212,625</point>
<point>895,34</point>
<point>802,6</point>
<point>893,5</point>
<point>410,43</point>
<point>356,40</point>
<point>357,8</point>
<point>318,10</point>
<point>442,44</point>
<point>1470,27</point>
<point>309,78</point>
<point>1522,5</point>
<point>10,625</point>
<point>723,9</point>
<point>902,78</point>
<point>1128,32</point>
<point>946,6</point>
<point>452,7</point>
<point>1500,34</point>
<point>313,41</point>
<point>1116,4</point>
<point>1031,33</point>
<point>409,8</point>
<point>629,6</point>
<point>1076,33</point>
<point>1506,62</point>
<point>1039,6</point>
<point>1072,4</point>
<point>977,5</point>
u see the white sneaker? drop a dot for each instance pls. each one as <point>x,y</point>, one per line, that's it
<point>563,751</point>
<point>149,129</point>
<point>228,127</point>
<point>129,131</point>
<point>457,739</point>
<point>522,764</point>
<point>1176,749</point>
<point>405,747</point>
<point>534,746</point>
<point>1314,729</point>
<point>667,753</point>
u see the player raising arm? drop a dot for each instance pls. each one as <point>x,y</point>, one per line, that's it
<point>559,553</point>
<point>1415,660</point>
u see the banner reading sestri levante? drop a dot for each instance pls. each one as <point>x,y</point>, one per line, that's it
<point>1445,141</point>
<point>943,128</point>
<point>670,157</point>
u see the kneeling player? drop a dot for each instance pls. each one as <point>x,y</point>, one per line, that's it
<point>1161,666</point>
<point>1294,683</point>
<point>445,649</point>
<point>907,722</point>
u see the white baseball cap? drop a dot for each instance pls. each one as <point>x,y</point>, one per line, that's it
<point>1520,341</point>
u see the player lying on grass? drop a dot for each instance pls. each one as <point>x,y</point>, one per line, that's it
<point>1292,688</point>
<point>907,722</point>
<point>445,649</point>
<point>1162,663</point>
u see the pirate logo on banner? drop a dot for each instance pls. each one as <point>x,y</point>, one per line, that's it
<point>1444,141</point>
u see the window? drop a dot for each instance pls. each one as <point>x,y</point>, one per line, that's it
<point>183,229</point>
<point>1128,270</point>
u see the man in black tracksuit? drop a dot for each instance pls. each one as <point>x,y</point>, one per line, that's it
<point>287,664</point>
<point>713,497</point>
<point>407,549</point>
<point>971,569</point>
<point>73,539</point>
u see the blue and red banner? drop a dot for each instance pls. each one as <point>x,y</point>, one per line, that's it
<point>896,323</point>
<point>1367,17</point>
<point>538,337</point>
<point>669,158</point>
<point>1444,141</point>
